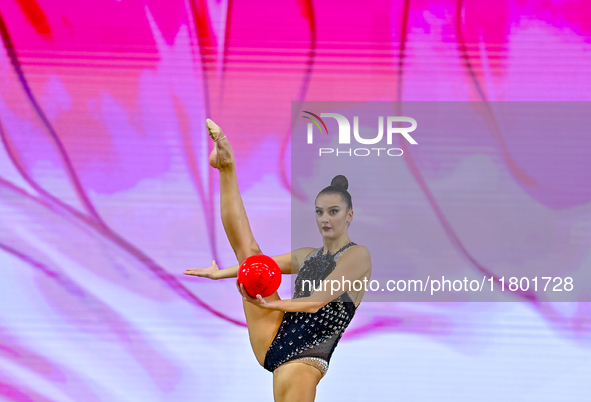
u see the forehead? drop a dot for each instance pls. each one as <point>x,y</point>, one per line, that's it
<point>329,200</point>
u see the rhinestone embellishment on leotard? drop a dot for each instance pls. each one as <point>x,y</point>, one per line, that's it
<point>310,335</point>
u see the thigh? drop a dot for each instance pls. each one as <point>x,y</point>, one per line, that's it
<point>295,382</point>
<point>262,326</point>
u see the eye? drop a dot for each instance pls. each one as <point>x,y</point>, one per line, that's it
<point>334,211</point>
<point>318,212</point>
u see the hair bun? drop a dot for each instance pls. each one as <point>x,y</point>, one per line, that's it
<point>340,181</point>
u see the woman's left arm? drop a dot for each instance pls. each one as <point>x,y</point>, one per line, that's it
<point>354,265</point>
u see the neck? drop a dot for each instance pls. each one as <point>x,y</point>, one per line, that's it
<point>334,245</point>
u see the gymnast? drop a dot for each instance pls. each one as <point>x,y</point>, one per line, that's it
<point>294,339</point>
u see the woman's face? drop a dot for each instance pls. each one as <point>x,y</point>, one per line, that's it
<point>332,215</point>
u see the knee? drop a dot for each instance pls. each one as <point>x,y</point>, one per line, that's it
<point>250,250</point>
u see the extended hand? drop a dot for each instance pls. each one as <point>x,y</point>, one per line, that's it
<point>257,301</point>
<point>210,272</point>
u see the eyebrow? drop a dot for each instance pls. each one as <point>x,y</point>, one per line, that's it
<point>334,206</point>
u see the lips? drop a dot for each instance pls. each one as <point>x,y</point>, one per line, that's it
<point>325,228</point>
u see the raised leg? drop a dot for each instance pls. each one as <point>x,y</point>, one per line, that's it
<point>233,213</point>
<point>262,323</point>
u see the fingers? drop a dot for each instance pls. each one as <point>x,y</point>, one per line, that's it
<point>257,300</point>
<point>245,295</point>
<point>261,300</point>
<point>203,272</point>
<point>240,288</point>
<point>196,272</point>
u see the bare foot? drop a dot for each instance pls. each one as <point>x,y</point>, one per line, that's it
<point>222,155</point>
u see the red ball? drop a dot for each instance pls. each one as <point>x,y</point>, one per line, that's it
<point>260,275</point>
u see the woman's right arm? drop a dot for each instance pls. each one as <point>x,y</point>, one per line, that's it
<point>288,263</point>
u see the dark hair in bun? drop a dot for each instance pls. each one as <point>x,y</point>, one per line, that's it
<point>339,185</point>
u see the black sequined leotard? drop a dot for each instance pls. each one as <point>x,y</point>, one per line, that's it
<point>312,337</point>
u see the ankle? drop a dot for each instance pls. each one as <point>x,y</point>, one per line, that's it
<point>226,165</point>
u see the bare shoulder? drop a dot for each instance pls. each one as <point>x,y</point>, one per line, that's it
<point>356,260</point>
<point>358,252</point>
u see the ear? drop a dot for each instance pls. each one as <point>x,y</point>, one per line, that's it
<point>350,217</point>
